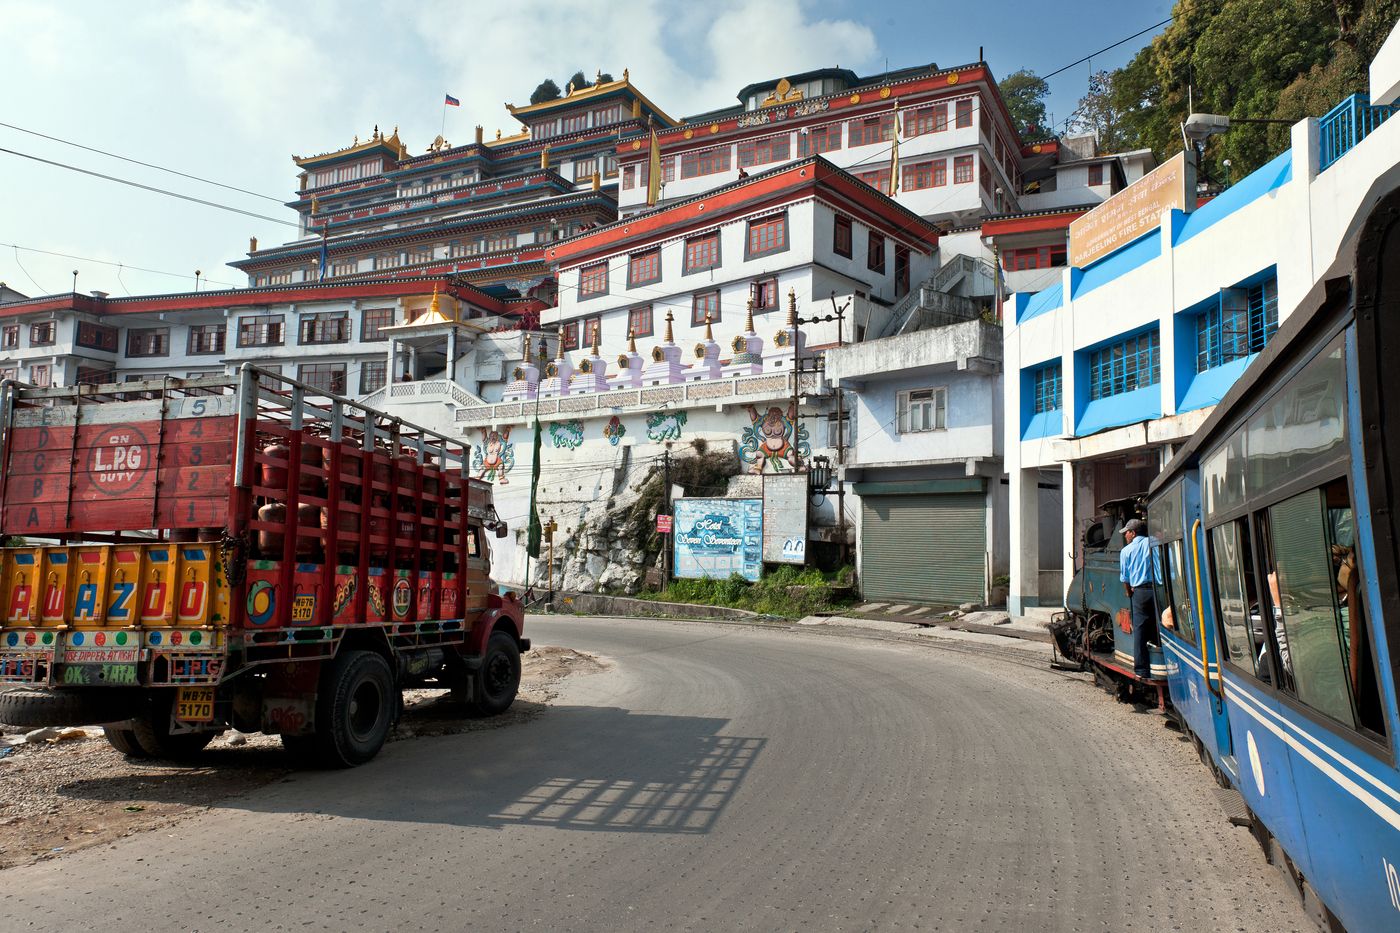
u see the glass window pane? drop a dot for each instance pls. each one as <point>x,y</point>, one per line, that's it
<point>1164,514</point>
<point>1222,476</point>
<point>1300,428</point>
<point>1304,583</point>
<point>1240,621</point>
<point>1183,611</point>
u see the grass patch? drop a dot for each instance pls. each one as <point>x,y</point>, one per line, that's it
<point>788,591</point>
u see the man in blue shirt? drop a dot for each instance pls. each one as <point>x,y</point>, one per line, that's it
<point>1135,569</point>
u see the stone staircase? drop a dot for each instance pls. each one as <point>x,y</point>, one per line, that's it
<point>932,303</point>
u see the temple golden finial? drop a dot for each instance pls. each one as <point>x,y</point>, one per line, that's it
<point>792,308</point>
<point>252,244</point>
<point>631,340</point>
<point>598,76</point>
<point>498,132</point>
<point>527,345</point>
<point>569,89</point>
<point>748,321</point>
<point>669,318</point>
<point>561,343</point>
<point>433,306</point>
<point>376,132</point>
<point>597,336</point>
<point>709,332</point>
<point>625,75</point>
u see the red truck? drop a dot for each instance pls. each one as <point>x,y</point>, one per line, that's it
<point>192,555</point>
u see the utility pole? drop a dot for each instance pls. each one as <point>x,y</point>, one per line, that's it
<point>666,554</point>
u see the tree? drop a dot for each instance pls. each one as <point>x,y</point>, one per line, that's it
<point>1024,93</point>
<point>579,81</point>
<point>547,90</point>
<point>1099,112</point>
<point>604,78</point>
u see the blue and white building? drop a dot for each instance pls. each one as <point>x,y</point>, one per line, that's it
<point>1116,363</point>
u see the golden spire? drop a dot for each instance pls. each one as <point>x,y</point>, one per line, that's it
<point>631,341</point>
<point>748,322</point>
<point>709,334</point>
<point>626,75</point>
<point>792,308</point>
<point>433,308</point>
<point>669,319</point>
<point>561,343</point>
<point>527,346</point>
<point>597,336</point>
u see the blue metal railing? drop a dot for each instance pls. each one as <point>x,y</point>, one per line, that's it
<point>1347,124</point>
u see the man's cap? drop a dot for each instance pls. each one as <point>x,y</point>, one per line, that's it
<point>1137,526</point>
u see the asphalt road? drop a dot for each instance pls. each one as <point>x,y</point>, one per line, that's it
<point>717,778</point>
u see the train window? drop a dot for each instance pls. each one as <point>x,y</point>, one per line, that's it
<point>1222,476</point>
<point>1240,615</point>
<point>1323,645</point>
<point>1300,428</point>
<point>1180,609</point>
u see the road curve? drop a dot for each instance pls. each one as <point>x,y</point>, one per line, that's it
<point>716,777</point>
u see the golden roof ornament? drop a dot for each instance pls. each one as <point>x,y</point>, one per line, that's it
<point>597,336</point>
<point>748,321</point>
<point>709,331</point>
<point>669,318</point>
<point>433,305</point>
<point>561,344</point>
<point>792,308</point>
<point>625,75</point>
<point>631,340</point>
<point>527,345</point>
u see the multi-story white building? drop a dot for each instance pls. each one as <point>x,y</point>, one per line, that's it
<point>1124,356</point>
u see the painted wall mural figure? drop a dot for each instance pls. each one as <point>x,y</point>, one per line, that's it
<point>494,457</point>
<point>614,430</point>
<point>767,444</point>
<point>665,425</point>
<point>567,434</point>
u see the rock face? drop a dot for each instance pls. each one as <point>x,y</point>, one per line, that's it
<point>609,544</point>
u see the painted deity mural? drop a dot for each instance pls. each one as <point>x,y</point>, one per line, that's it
<point>567,434</point>
<point>773,440</point>
<point>494,457</point>
<point>665,425</point>
<point>614,430</point>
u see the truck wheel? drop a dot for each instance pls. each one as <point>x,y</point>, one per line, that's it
<point>124,741</point>
<point>499,678</point>
<point>355,711</point>
<point>151,730</point>
<point>26,706</point>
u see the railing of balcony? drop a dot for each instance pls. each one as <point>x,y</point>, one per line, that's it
<point>1347,124</point>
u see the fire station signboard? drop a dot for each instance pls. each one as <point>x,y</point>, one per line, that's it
<point>1131,212</point>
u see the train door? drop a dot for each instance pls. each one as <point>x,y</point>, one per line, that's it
<point>1189,668</point>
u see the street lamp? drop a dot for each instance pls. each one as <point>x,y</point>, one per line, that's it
<point>75,281</point>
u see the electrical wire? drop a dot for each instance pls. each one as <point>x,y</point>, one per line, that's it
<point>119,265</point>
<point>160,168</point>
<point>153,188</point>
<point>1115,45</point>
<point>41,288</point>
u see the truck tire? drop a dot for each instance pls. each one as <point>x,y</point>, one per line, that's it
<point>355,711</point>
<point>31,707</point>
<point>151,729</point>
<point>124,741</point>
<point>496,684</point>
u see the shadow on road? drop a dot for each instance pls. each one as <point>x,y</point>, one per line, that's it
<point>579,768</point>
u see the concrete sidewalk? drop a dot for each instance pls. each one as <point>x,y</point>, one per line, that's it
<point>985,621</point>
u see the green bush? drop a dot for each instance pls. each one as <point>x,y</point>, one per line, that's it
<point>790,592</point>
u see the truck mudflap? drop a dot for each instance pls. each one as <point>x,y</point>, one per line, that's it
<point>151,658</point>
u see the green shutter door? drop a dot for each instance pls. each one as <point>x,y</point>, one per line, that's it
<point>924,549</point>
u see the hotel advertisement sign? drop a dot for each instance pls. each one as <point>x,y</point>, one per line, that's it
<point>1131,212</point>
<point>718,538</point>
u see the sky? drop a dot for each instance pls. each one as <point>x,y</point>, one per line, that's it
<point>230,89</point>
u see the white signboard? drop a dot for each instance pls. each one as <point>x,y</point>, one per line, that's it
<point>785,518</point>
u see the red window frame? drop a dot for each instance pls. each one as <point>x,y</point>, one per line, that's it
<point>819,139</point>
<point>1035,257</point>
<point>702,303</point>
<point>373,322</point>
<point>704,161</point>
<point>639,321</point>
<point>702,252</point>
<point>962,169</point>
<point>879,179</point>
<point>590,326</point>
<point>593,280</point>
<point>767,235</point>
<point>963,109</point>
<point>762,151</point>
<point>875,252</point>
<point>866,131</point>
<point>570,338</point>
<point>920,175</point>
<point>1095,175</point>
<point>841,237</point>
<point>926,120</point>
<point>644,267</point>
<point>765,294</point>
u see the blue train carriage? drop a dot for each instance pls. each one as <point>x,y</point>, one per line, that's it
<point>1277,528</point>
<point>1095,632</point>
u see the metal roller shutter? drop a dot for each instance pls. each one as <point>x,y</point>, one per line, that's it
<point>925,548</point>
